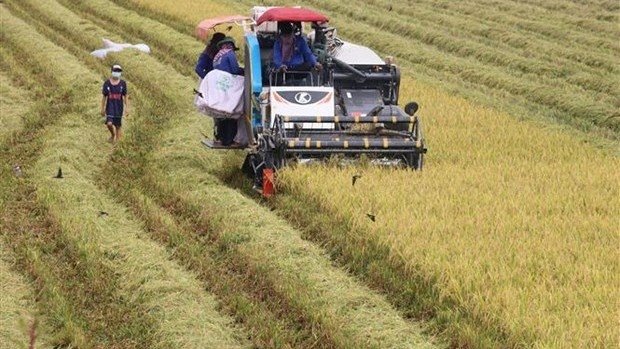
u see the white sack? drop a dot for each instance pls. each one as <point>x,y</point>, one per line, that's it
<point>222,92</point>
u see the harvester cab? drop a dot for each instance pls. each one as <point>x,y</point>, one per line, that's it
<point>349,107</point>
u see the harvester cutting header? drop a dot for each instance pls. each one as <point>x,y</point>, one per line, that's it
<point>340,98</point>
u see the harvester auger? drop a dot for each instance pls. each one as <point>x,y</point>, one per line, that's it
<point>350,107</point>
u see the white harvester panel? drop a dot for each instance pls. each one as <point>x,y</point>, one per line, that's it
<point>303,101</point>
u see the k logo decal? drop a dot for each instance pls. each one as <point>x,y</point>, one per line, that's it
<point>303,98</point>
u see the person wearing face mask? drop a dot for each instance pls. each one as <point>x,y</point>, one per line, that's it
<point>114,103</point>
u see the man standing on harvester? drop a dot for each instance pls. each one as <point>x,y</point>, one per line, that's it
<point>114,103</point>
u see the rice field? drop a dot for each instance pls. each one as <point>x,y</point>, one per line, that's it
<point>508,238</point>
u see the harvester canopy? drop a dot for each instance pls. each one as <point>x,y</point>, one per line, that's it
<point>291,14</point>
<point>203,28</point>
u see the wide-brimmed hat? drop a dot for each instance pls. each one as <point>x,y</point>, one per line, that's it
<point>117,68</point>
<point>228,40</point>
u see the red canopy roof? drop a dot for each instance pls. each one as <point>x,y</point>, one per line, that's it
<point>202,30</point>
<point>291,14</point>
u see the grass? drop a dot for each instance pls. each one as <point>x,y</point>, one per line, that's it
<point>145,283</point>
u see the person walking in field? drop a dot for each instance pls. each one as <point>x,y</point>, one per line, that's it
<point>114,103</point>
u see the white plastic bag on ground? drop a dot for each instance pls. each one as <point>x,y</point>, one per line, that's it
<point>111,46</point>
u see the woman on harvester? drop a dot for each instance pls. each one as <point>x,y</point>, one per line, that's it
<point>230,132</point>
<point>225,58</point>
<point>205,61</point>
<point>291,52</point>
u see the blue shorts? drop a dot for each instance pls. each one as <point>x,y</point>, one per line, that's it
<point>115,120</point>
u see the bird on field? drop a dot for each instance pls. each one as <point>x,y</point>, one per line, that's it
<point>390,8</point>
<point>59,174</point>
<point>17,170</point>
<point>355,178</point>
<point>103,213</point>
<point>371,216</point>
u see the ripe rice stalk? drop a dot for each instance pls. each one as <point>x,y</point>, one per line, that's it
<point>13,106</point>
<point>17,310</point>
<point>511,229</point>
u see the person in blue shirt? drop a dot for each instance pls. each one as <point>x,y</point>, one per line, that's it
<point>291,52</point>
<point>225,58</point>
<point>205,61</point>
<point>114,103</point>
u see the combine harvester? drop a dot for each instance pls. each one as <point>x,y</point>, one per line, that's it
<point>350,107</point>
